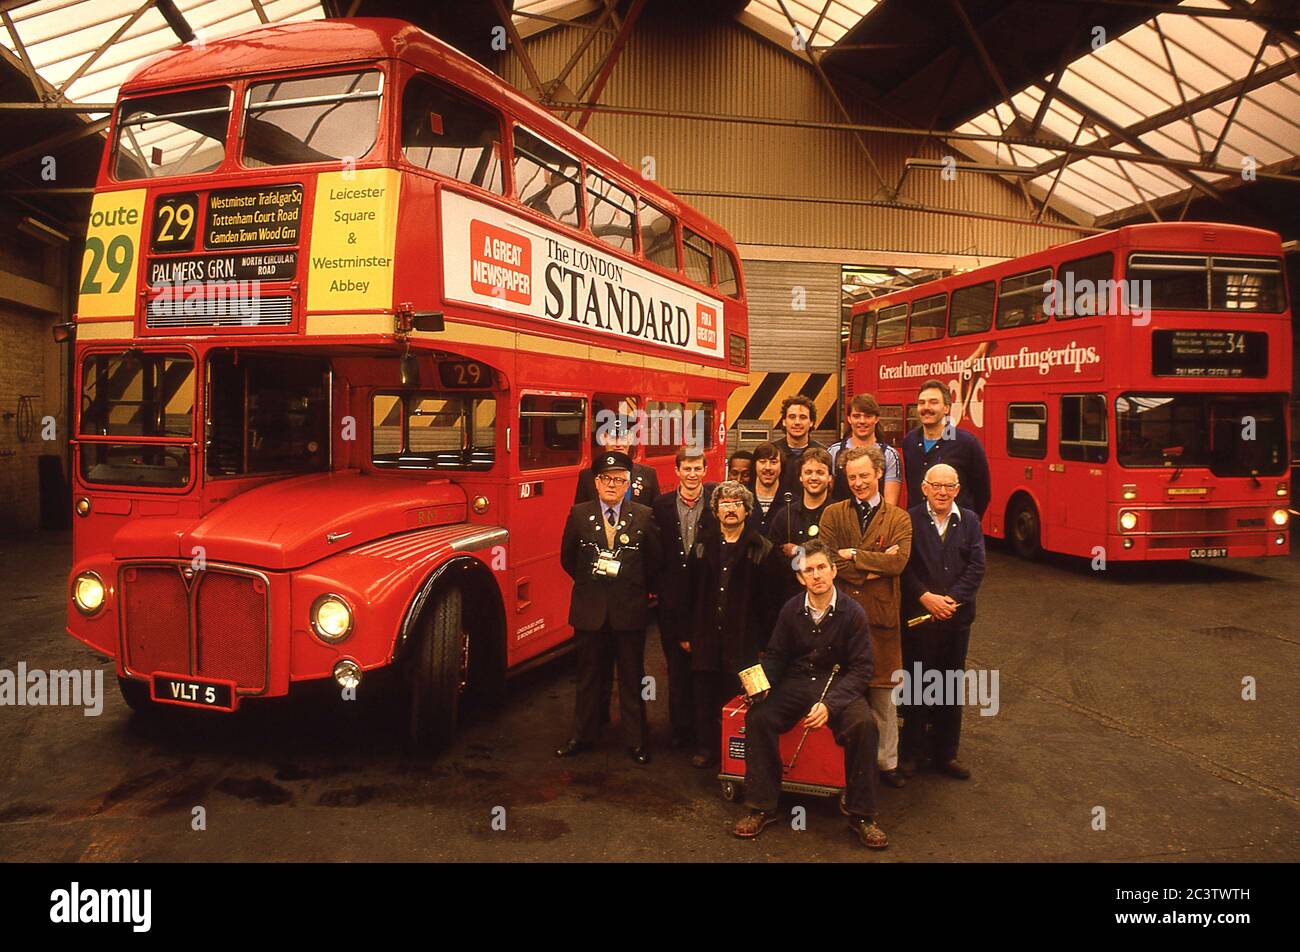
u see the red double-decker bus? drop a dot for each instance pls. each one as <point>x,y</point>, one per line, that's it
<point>350,311</point>
<point>1131,389</point>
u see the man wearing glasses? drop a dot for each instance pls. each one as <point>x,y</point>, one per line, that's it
<point>939,586</point>
<point>733,574</point>
<point>610,549</point>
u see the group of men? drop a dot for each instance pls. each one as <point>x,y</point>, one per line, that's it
<point>802,561</point>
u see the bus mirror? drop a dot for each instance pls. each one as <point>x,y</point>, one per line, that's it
<point>430,321</point>
<point>64,332</point>
<point>409,371</point>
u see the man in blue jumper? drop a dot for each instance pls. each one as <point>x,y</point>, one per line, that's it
<point>939,584</point>
<point>939,440</point>
<point>816,633</point>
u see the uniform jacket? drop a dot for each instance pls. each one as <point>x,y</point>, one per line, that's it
<point>729,628</point>
<point>952,566</point>
<point>621,600</point>
<point>963,453</point>
<point>673,584</point>
<point>799,648</point>
<point>879,597</point>
<point>645,485</point>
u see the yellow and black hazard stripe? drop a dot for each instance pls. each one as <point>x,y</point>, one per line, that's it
<point>761,398</point>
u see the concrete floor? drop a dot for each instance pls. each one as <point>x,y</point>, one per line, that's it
<point>1121,691</point>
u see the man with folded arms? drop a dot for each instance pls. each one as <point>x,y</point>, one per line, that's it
<point>814,633</point>
<point>940,581</point>
<point>872,540</point>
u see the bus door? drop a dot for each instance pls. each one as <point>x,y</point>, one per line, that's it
<point>1026,451</point>
<point>1077,484</point>
<point>550,447</point>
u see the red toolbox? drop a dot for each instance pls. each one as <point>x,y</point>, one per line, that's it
<point>818,770</point>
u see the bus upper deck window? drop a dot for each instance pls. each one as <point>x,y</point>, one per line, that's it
<point>728,283</point>
<point>658,236</point>
<point>446,133</point>
<point>546,178</point>
<point>698,253</point>
<point>611,212</point>
<point>172,134</point>
<point>312,119</point>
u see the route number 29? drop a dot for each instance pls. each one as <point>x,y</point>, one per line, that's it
<point>119,256</point>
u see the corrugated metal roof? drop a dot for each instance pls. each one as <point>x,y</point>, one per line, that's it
<point>86,50</point>
<point>821,23</point>
<point>1153,68</point>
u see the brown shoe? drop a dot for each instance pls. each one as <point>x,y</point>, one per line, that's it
<point>893,778</point>
<point>872,836</point>
<point>750,826</point>
<point>906,767</point>
<point>955,768</point>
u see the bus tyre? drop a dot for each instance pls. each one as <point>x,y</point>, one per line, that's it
<point>136,695</point>
<point>1024,529</point>
<point>437,666</point>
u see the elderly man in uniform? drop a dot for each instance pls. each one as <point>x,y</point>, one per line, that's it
<point>872,539</point>
<point>814,633</point>
<point>939,583</point>
<point>610,549</point>
<point>733,572</point>
<point>613,435</point>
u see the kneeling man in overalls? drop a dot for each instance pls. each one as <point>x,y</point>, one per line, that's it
<point>815,633</point>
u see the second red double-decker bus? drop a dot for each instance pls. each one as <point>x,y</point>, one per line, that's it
<point>350,311</point>
<point>1131,389</point>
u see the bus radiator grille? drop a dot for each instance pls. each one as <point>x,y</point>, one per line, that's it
<point>155,612</point>
<point>232,639</point>
<point>213,626</point>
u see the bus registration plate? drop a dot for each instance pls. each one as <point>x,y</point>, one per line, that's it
<point>1218,553</point>
<point>190,692</point>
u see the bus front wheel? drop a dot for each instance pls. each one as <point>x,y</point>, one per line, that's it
<point>1024,530</point>
<point>438,670</point>
<point>136,695</point>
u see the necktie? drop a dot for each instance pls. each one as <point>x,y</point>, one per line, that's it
<point>609,528</point>
<point>609,516</point>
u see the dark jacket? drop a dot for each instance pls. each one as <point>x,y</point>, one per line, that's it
<point>645,485</point>
<point>620,600</point>
<point>952,566</point>
<point>962,452</point>
<point>798,648</point>
<point>790,464</point>
<point>795,524</point>
<point>763,520</point>
<point>673,583</point>
<point>734,605</point>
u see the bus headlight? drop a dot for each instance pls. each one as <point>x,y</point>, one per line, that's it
<point>1280,490</point>
<point>1279,517</point>
<point>1128,520</point>
<point>88,593</point>
<point>1130,491</point>
<point>331,618</point>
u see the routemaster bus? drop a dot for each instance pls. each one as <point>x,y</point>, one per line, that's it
<point>1131,389</point>
<point>351,309</point>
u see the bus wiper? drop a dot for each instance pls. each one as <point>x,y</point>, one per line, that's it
<point>1175,453</point>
